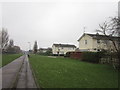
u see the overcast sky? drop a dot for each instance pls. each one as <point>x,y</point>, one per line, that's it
<point>51,22</point>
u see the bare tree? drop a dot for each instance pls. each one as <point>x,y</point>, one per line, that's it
<point>4,38</point>
<point>10,47</point>
<point>35,47</point>
<point>11,43</point>
<point>111,29</point>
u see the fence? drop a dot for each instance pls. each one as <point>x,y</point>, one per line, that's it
<point>76,55</point>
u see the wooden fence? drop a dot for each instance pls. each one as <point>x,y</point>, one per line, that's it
<point>76,55</point>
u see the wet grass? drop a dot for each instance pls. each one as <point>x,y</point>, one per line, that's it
<point>7,58</point>
<point>70,73</point>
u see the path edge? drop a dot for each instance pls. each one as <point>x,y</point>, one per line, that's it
<point>34,76</point>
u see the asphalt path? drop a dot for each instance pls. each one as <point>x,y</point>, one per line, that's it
<point>18,74</point>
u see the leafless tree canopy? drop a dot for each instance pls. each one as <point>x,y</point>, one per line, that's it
<point>11,43</point>
<point>4,37</point>
<point>111,28</point>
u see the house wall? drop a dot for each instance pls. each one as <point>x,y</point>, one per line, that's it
<point>88,46</point>
<point>54,49</point>
<point>107,45</point>
<point>100,45</point>
<point>62,50</point>
<point>93,45</point>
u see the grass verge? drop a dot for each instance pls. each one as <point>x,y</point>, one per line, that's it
<point>7,58</point>
<point>69,73</point>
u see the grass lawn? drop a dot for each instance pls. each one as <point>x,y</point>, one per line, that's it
<point>7,58</point>
<point>69,73</point>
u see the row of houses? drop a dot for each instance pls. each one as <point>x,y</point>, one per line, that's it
<point>87,42</point>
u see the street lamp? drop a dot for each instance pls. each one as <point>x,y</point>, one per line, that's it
<point>29,46</point>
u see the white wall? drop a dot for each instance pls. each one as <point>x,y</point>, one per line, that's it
<point>89,44</point>
<point>92,44</point>
<point>61,50</point>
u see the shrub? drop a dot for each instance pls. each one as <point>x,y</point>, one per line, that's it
<point>67,54</point>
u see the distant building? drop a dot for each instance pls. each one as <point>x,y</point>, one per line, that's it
<point>95,42</point>
<point>62,48</point>
<point>42,50</point>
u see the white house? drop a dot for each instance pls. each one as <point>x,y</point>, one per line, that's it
<point>62,48</point>
<point>44,50</point>
<point>95,42</point>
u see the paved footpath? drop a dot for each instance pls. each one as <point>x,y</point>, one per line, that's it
<point>18,74</point>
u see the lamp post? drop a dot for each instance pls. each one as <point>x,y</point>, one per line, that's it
<point>29,46</point>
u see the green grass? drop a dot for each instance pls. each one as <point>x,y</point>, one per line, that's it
<point>69,73</point>
<point>7,58</point>
<point>0,60</point>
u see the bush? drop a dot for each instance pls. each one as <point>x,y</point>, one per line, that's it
<point>93,57</point>
<point>67,54</point>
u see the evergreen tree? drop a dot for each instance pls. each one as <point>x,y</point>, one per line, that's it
<point>35,47</point>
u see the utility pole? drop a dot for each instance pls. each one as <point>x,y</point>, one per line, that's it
<point>29,46</point>
<point>84,29</point>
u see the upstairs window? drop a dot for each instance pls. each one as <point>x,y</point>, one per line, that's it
<point>85,41</point>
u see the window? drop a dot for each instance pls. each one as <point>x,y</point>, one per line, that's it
<point>98,41</point>
<point>98,50</point>
<point>85,41</point>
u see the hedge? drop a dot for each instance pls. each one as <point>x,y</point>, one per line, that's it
<point>67,54</point>
<point>93,57</point>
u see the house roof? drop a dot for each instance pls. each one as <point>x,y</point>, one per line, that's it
<point>98,36</point>
<point>64,45</point>
<point>43,49</point>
